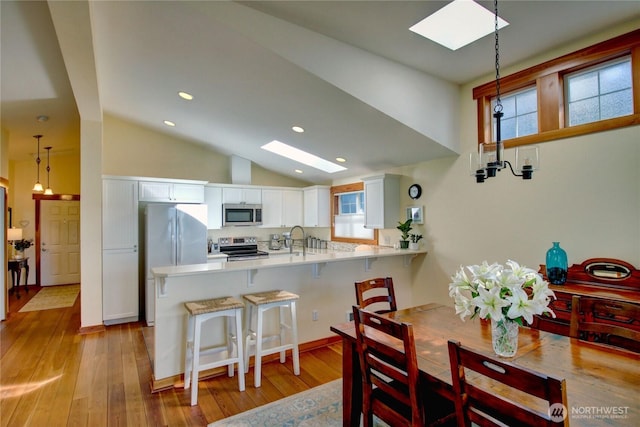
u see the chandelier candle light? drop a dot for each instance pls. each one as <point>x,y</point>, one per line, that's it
<point>38,187</point>
<point>506,295</point>
<point>489,159</point>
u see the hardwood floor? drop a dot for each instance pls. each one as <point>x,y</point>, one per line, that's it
<point>50,375</point>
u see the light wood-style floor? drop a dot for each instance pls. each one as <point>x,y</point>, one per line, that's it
<point>52,376</point>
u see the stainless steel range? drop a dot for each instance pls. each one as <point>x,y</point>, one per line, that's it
<point>240,248</point>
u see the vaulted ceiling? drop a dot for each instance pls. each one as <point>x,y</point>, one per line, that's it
<point>349,72</point>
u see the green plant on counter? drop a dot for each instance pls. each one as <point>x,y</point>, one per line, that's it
<point>405,228</point>
<point>415,238</point>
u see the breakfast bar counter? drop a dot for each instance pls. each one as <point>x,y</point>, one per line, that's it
<point>312,256</point>
<point>323,278</point>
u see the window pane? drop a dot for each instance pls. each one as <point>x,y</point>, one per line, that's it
<point>508,128</point>
<point>520,114</point>
<point>584,86</point>
<point>508,106</point>
<point>351,203</point>
<point>527,102</point>
<point>583,112</point>
<point>616,104</point>
<point>528,124</point>
<point>601,93</point>
<point>351,226</point>
<point>616,77</point>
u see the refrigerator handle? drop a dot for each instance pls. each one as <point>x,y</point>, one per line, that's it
<point>179,238</point>
<point>172,226</point>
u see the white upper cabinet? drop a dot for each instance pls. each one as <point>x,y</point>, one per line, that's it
<point>317,206</point>
<point>382,201</point>
<point>281,207</point>
<point>246,195</point>
<point>119,214</point>
<point>213,199</point>
<point>173,192</point>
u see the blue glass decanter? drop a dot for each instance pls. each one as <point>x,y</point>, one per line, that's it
<point>557,264</point>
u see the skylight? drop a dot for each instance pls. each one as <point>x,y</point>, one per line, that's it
<point>303,157</point>
<point>457,24</point>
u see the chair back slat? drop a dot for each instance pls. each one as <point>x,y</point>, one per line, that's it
<point>389,368</point>
<point>476,402</point>
<point>376,295</point>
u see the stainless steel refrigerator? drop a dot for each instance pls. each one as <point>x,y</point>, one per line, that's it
<point>175,234</point>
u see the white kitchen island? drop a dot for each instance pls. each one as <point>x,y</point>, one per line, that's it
<point>323,279</point>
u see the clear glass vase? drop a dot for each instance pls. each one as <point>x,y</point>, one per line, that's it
<point>557,264</point>
<point>504,337</point>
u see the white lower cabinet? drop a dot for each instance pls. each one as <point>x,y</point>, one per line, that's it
<point>119,286</point>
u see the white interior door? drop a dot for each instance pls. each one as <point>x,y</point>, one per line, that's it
<point>60,242</point>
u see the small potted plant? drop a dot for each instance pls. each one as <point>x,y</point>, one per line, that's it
<point>20,246</point>
<point>404,228</point>
<point>415,238</point>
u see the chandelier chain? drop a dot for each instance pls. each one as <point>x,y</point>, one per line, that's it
<point>498,106</point>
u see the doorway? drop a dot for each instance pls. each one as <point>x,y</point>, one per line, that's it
<point>59,242</point>
<point>57,222</point>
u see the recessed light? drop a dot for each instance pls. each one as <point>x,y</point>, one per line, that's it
<point>169,123</point>
<point>303,157</point>
<point>297,129</point>
<point>42,118</point>
<point>457,24</point>
<point>185,95</point>
<point>298,171</point>
<point>340,159</point>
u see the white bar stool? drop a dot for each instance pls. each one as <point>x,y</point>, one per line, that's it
<point>199,312</point>
<point>261,302</point>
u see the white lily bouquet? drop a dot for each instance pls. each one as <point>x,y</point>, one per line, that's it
<point>506,295</point>
<point>498,293</point>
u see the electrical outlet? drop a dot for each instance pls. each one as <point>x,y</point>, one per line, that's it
<point>314,315</point>
<point>349,315</point>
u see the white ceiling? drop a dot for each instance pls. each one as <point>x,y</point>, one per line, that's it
<point>254,75</point>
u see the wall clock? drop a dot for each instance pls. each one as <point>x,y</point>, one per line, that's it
<point>415,191</point>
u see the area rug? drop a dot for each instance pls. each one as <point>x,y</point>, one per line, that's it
<point>320,406</point>
<point>53,297</point>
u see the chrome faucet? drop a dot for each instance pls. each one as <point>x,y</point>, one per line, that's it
<point>292,240</point>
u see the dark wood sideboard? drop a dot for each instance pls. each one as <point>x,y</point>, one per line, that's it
<point>605,278</point>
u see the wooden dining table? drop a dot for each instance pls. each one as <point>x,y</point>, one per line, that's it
<point>603,384</point>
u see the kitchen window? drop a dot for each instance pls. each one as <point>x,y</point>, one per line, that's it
<point>587,91</point>
<point>347,210</point>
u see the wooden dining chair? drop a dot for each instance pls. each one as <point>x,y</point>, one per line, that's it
<point>605,321</point>
<point>477,401</point>
<point>391,386</point>
<point>378,291</point>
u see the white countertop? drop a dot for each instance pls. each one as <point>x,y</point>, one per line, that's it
<point>282,259</point>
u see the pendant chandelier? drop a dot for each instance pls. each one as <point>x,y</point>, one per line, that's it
<point>48,191</point>
<point>38,187</point>
<point>489,158</point>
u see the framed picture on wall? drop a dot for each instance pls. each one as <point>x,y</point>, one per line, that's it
<point>415,213</point>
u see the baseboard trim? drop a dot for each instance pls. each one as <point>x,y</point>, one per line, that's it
<point>177,381</point>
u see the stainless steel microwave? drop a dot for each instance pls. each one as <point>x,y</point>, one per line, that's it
<point>241,214</point>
